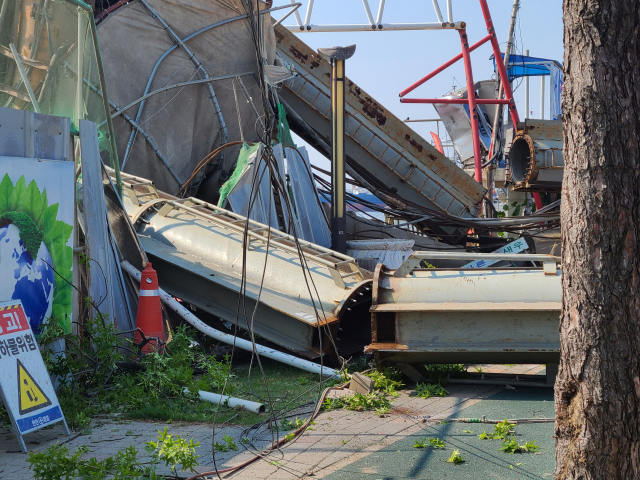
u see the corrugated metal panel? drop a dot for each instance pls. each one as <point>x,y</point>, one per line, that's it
<point>309,212</point>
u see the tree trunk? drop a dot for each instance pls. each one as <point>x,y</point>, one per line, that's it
<point>598,386</point>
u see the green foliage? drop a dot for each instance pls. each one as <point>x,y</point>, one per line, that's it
<point>430,390</point>
<point>289,436</point>
<point>467,431</point>
<point>387,381</point>
<point>422,443</point>
<point>512,446</point>
<point>502,430</point>
<point>245,441</point>
<point>228,443</point>
<point>440,371</point>
<point>382,411</point>
<point>455,458</point>
<point>56,462</point>
<point>519,207</point>
<point>437,443</point>
<point>357,402</point>
<point>171,375</point>
<point>174,451</point>
<point>90,363</point>
<point>287,425</point>
<point>432,442</point>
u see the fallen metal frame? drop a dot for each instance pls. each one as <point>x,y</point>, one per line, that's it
<point>375,24</point>
<point>200,251</point>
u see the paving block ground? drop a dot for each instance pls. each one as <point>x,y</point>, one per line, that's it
<point>343,444</point>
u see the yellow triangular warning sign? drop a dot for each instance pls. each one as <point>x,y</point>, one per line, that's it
<point>30,395</point>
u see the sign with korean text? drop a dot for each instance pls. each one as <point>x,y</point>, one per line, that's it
<point>26,386</point>
<point>517,246</point>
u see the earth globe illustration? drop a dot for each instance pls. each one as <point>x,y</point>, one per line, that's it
<point>24,278</point>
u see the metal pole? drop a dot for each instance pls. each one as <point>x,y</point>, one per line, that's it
<point>443,66</point>
<point>380,12</point>
<point>436,7</point>
<point>542,97</point>
<point>338,206</point>
<point>80,51</point>
<point>501,68</point>
<point>307,18</point>
<point>338,55</point>
<point>473,109</point>
<point>449,11</point>
<point>368,12</point>
<point>497,120</point>
<point>115,162</point>
<point>526,91</point>
<point>25,80</point>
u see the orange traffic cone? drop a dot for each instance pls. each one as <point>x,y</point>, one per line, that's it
<point>149,318</point>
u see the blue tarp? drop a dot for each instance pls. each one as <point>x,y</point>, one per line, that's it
<point>523,66</point>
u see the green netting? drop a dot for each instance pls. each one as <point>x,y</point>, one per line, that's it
<point>245,152</point>
<point>284,133</point>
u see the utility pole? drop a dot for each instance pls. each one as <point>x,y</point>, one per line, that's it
<point>542,82</point>
<point>338,55</point>
<point>526,90</point>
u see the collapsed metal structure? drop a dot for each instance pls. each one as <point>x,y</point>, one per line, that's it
<point>302,296</point>
<point>249,274</point>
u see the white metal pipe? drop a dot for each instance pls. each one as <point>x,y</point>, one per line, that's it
<point>436,7</point>
<point>542,82</point>
<point>80,76</point>
<point>294,9</point>
<point>241,343</point>
<point>25,78</point>
<point>232,401</point>
<point>526,91</point>
<point>296,14</point>
<point>368,11</point>
<point>380,12</point>
<point>449,11</point>
<point>381,27</point>
<point>307,19</point>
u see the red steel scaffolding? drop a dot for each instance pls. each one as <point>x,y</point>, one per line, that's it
<point>471,100</point>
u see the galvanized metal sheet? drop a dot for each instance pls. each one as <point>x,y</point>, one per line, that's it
<point>308,210</point>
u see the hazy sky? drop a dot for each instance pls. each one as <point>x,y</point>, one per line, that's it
<point>387,62</point>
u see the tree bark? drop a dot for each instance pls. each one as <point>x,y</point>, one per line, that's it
<point>598,386</point>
